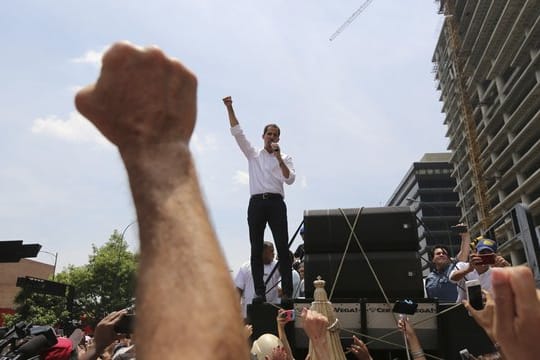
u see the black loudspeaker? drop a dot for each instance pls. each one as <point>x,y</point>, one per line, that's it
<point>458,330</point>
<point>399,273</point>
<point>377,229</point>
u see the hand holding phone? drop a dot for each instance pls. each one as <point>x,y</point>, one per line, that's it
<point>487,259</point>
<point>407,307</point>
<point>474,294</point>
<point>459,229</point>
<point>125,325</point>
<point>287,315</point>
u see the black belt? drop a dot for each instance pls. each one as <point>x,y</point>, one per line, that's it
<point>266,196</point>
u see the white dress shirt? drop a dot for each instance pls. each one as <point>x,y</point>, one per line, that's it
<point>265,175</point>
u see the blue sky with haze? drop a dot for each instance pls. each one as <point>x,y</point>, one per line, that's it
<point>355,112</point>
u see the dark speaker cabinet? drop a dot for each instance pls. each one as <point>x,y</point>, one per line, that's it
<point>377,229</point>
<point>399,273</point>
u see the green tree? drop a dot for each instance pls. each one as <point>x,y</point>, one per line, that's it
<point>105,284</point>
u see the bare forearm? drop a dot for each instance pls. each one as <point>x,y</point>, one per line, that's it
<point>321,349</point>
<point>464,248</point>
<point>233,121</point>
<point>460,274</point>
<point>180,261</point>
<point>284,169</point>
<point>414,343</point>
<point>283,337</point>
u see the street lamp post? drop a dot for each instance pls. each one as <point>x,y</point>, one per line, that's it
<point>126,228</point>
<point>55,260</point>
<point>117,279</point>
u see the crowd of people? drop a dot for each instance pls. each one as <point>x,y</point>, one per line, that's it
<point>145,104</point>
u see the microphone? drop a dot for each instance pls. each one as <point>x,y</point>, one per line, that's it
<point>34,347</point>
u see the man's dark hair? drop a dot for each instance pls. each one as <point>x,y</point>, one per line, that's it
<point>268,244</point>
<point>439,246</point>
<point>272,125</point>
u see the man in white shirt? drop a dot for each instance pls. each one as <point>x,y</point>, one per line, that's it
<point>477,268</point>
<point>269,168</point>
<point>244,280</point>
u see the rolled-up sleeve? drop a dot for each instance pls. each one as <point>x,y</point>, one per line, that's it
<point>292,173</point>
<point>242,141</point>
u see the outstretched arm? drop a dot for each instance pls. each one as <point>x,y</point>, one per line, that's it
<point>414,344</point>
<point>316,328</point>
<point>233,121</point>
<point>104,335</point>
<point>465,246</point>
<point>517,312</point>
<point>281,322</point>
<point>145,104</point>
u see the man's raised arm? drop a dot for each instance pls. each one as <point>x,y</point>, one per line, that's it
<point>145,104</point>
<point>233,121</point>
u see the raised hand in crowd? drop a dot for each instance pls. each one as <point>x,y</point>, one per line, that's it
<point>464,247</point>
<point>485,317</point>
<point>104,335</point>
<point>248,330</point>
<point>281,321</point>
<point>359,349</point>
<point>414,344</point>
<point>517,312</point>
<point>501,262</point>
<point>316,328</point>
<point>511,318</point>
<point>145,104</point>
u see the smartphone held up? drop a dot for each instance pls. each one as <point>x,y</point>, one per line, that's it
<point>474,294</point>
<point>288,315</point>
<point>487,259</point>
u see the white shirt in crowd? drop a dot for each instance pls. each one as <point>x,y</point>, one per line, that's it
<point>244,281</point>
<point>484,278</point>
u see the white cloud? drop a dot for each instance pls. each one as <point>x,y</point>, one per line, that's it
<point>205,143</point>
<point>92,57</point>
<point>241,177</point>
<point>303,182</point>
<point>75,89</point>
<point>75,129</point>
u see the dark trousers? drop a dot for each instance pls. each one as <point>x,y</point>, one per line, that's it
<point>274,212</point>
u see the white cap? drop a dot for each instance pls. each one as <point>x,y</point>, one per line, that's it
<point>264,345</point>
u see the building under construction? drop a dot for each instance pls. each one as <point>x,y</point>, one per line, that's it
<point>487,65</point>
<point>428,189</point>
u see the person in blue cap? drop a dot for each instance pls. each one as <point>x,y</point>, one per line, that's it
<point>478,267</point>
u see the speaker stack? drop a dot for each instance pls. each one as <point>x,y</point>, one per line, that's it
<point>389,238</point>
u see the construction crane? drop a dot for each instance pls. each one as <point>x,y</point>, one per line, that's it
<point>471,135</point>
<point>350,19</point>
<point>464,103</point>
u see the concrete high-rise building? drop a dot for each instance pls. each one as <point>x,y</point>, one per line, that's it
<point>428,188</point>
<point>487,64</point>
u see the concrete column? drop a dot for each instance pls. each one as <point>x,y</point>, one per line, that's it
<point>505,117</point>
<point>517,257</point>
<point>501,195</point>
<point>499,82</point>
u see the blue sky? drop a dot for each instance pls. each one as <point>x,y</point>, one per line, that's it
<point>355,112</point>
